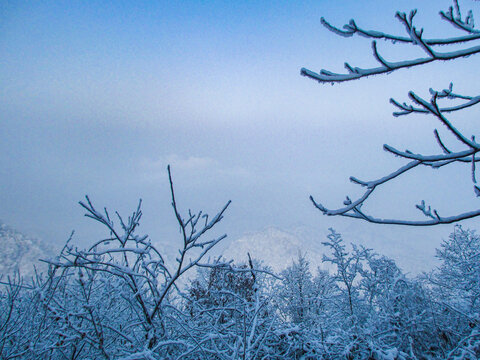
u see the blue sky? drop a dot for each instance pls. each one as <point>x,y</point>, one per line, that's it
<point>98,97</point>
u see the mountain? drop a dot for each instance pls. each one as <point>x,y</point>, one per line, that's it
<point>21,252</point>
<point>276,248</point>
<point>413,251</point>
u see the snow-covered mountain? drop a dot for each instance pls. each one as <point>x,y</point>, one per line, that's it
<point>277,248</point>
<point>21,252</point>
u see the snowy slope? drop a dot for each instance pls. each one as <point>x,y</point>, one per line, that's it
<point>20,252</point>
<point>277,248</point>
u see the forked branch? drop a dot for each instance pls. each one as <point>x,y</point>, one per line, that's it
<point>353,208</point>
<point>414,37</point>
<point>135,262</point>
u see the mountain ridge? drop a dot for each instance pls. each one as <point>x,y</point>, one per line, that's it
<point>21,253</point>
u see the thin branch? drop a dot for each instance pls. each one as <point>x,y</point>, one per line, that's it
<point>415,37</point>
<point>325,76</point>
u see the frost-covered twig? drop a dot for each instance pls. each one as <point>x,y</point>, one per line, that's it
<point>353,208</point>
<point>139,268</point>
<point>415,37</point>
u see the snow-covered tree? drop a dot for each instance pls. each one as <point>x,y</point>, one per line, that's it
<point>366,308</point>
<point>348,270</point>
<point>297,292</point>
<point>378,313</point>
<point>114,300</point>
<point>459,272</point>
<point>231,315</point>
<point>465,44</point>
<point>456,288</point>
<point>306,302</point>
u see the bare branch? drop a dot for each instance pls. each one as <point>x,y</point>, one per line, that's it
<point>325,76</point>
<point>415,37</point>
<point>353,208</point>
<point>351,29</point>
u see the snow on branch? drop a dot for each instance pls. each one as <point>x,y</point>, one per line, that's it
<point>134,262</point>
<point>353,208</point>
<point>415,37</point>
<point>446,93</point>
<point>454,17</point>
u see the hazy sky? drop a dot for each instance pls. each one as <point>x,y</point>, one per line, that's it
<point>98,97</point>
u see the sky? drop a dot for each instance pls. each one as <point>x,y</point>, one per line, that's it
<point>99,97</point>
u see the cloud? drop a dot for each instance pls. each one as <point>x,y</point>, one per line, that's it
<point>190,163</point>
<point>235,171</point>
<point>156,169</point>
